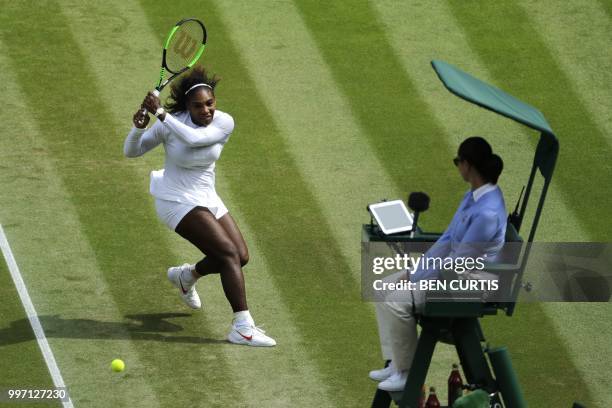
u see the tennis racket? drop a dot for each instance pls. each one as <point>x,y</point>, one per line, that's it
<point>183,47</point>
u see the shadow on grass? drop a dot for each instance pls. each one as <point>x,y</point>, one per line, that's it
<point>149,327</point>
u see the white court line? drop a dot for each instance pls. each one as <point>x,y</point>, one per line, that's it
<point>58,381</point>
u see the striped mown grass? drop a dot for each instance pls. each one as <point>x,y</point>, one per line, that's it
<point>397,123</point>
<point>18,343</point>
<point>577,36</point>
<point>323,137</point>
<point>333,110</point>
<point>104,191</point>
<point>59,267</point>
<point>523,63</point>
<point>290,362</point>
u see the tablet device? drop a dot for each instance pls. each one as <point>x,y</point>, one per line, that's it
<point>392,216</point>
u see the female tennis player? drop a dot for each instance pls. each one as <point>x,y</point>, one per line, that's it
<point>477,229</point>
<point>193,133</point>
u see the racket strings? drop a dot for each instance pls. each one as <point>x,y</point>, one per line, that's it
<point>184,46</point>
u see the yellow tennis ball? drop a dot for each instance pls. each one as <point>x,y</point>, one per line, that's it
<point>117,365</point>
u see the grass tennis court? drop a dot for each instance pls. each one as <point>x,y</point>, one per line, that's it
<point>336,106</point>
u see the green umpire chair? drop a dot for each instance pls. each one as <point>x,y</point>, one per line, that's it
<point>457,322</point>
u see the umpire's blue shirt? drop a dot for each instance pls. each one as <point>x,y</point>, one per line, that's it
<point>478,229</point>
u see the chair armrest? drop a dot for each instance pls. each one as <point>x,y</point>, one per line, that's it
<point>371,233</point>
<point>500,267</point>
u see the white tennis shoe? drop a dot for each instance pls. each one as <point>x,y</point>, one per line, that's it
<point>396,382</point>
<point>250,335</point>
<point>383,373</point>
<point>188,293</point>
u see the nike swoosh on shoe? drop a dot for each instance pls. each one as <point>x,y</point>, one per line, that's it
<point>181,283</point>
<point>249,338</point>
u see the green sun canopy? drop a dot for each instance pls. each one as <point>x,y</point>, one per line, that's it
<point>482,94</point>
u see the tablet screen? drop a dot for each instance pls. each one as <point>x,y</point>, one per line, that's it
<point>392,216</point>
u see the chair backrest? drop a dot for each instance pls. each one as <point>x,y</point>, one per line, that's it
<point>507,268</point>
<point>512,235</point>
<point>510,253</point>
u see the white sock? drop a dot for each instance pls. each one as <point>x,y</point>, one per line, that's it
<point>243,318</point>
<point>187,275</point>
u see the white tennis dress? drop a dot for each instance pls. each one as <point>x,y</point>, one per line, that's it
<point>188,177</point>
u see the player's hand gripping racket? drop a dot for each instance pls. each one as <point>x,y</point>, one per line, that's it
<point>182,49</point>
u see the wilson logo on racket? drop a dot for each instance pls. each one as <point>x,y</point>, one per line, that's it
<point>185,45</point>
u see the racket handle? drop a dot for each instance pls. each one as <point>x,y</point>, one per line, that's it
<point>154,92</point>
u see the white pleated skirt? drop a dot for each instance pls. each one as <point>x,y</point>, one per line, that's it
<point>171,212</point>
